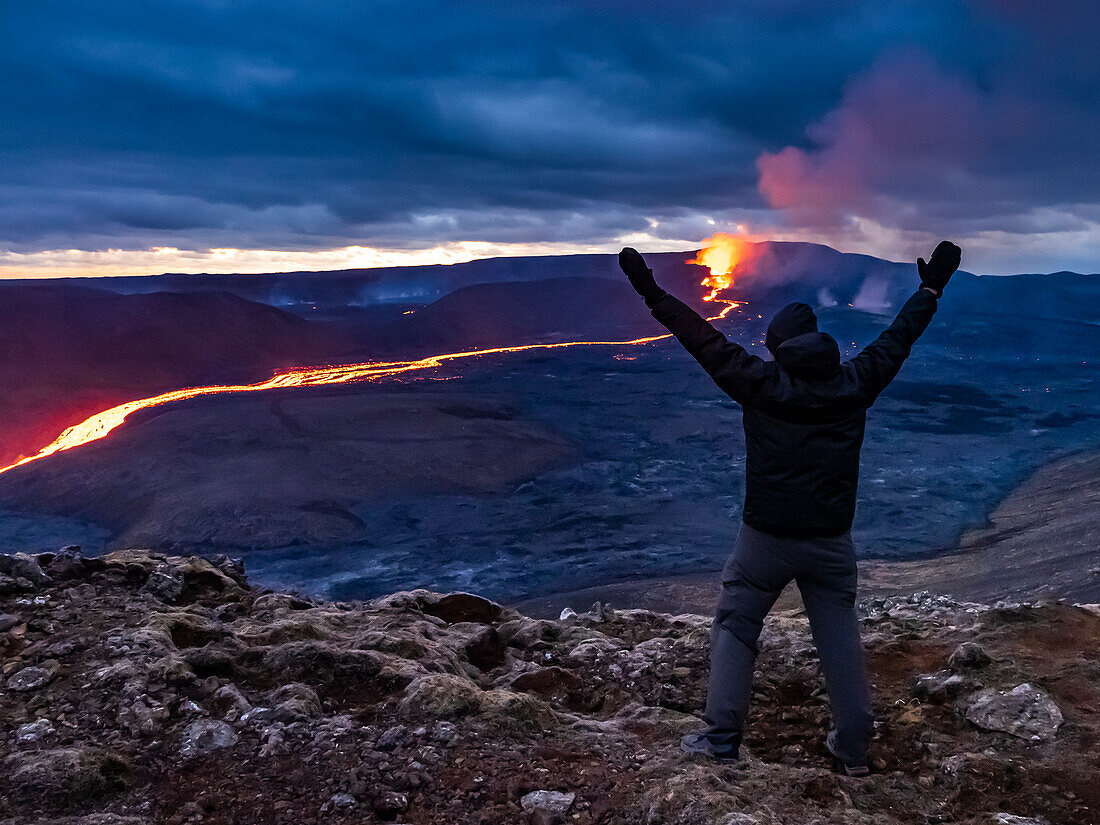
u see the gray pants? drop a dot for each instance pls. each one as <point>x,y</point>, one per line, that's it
<point>824,569</point>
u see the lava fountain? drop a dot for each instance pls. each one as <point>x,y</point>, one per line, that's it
<point>721,254</point>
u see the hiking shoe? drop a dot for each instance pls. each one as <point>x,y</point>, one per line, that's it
<point>840,766</point>
<point>697,744</point>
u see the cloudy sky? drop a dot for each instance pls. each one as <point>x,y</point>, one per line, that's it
<point>233,135</point>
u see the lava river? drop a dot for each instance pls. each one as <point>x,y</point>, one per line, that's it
<point>721,255</point>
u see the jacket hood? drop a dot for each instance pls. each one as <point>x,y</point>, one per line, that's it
<point>814,356</point>
<point>791,321</point>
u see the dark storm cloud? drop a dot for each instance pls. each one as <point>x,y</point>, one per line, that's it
<point>317,124</point>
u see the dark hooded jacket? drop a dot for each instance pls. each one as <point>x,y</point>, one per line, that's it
<point>804,412</point>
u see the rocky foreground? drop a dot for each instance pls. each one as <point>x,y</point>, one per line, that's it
<point>138,688</point>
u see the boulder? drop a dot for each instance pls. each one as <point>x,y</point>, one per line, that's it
<point>968,656</point>
<point>230,703</point>
<point>33,732</point>
<point>204,736</point>
<point>463,607</point>
<point>68,563</point>
<point>1025,711</point>
<point>295,702</point>
<point>550,802</point>
<point>440,695</point>
<point>59,776</point>
<point>33,677</point>
<point>516,709</point>
<point>164,584</point>
<point>21,566</point>
<point>547,681</point>
<point>937,687</point>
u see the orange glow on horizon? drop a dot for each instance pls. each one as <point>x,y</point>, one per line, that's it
<point>104,423</point>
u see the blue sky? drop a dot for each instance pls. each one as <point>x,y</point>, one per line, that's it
<point>139,136</point>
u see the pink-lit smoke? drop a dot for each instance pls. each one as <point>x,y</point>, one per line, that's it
<point>913,152</point>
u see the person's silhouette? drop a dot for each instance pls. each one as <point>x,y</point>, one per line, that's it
<point>804,418</point>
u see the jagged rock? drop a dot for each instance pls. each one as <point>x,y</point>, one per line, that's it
<point>1025,711</point>
<point>34,677</point>
<point>201,578</point>
<point>164,584</point>
<point>937,687</point>
<point>343,801</point>
<point>968,656</point>
<point>62,775</point>
<point>143,716</point>
<point>526,633</point>
<point>34,731</point>
<point>295,702</point>
<point>172,670</point>
<point>190,629</point>
<point>392,738</point>
<point>205,735</point>
<point>1012,819</point>
<point>21,566</point>
<point>230,703</point>
<point>553,803</point>
<point>231,566</point>
<point>547,681</point>
<point>592,649</point>
<point>68,563</point>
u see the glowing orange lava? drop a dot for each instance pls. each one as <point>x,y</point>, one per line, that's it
<point>721,253</point>
<point>724,249</point>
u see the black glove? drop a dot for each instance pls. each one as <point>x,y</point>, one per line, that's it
<point>641,276</point>
<point>940,267</point>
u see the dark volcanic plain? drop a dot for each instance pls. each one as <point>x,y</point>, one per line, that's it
<point>524,476</point>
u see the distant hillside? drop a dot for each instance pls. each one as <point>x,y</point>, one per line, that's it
<point>67,350</point>
<point>780,272</point>
<point>554,309</point>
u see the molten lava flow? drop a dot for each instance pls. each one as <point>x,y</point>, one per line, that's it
<point>723,251</point>
<point>722,254</point>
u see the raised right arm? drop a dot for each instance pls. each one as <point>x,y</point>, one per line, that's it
<point>880,361</point>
